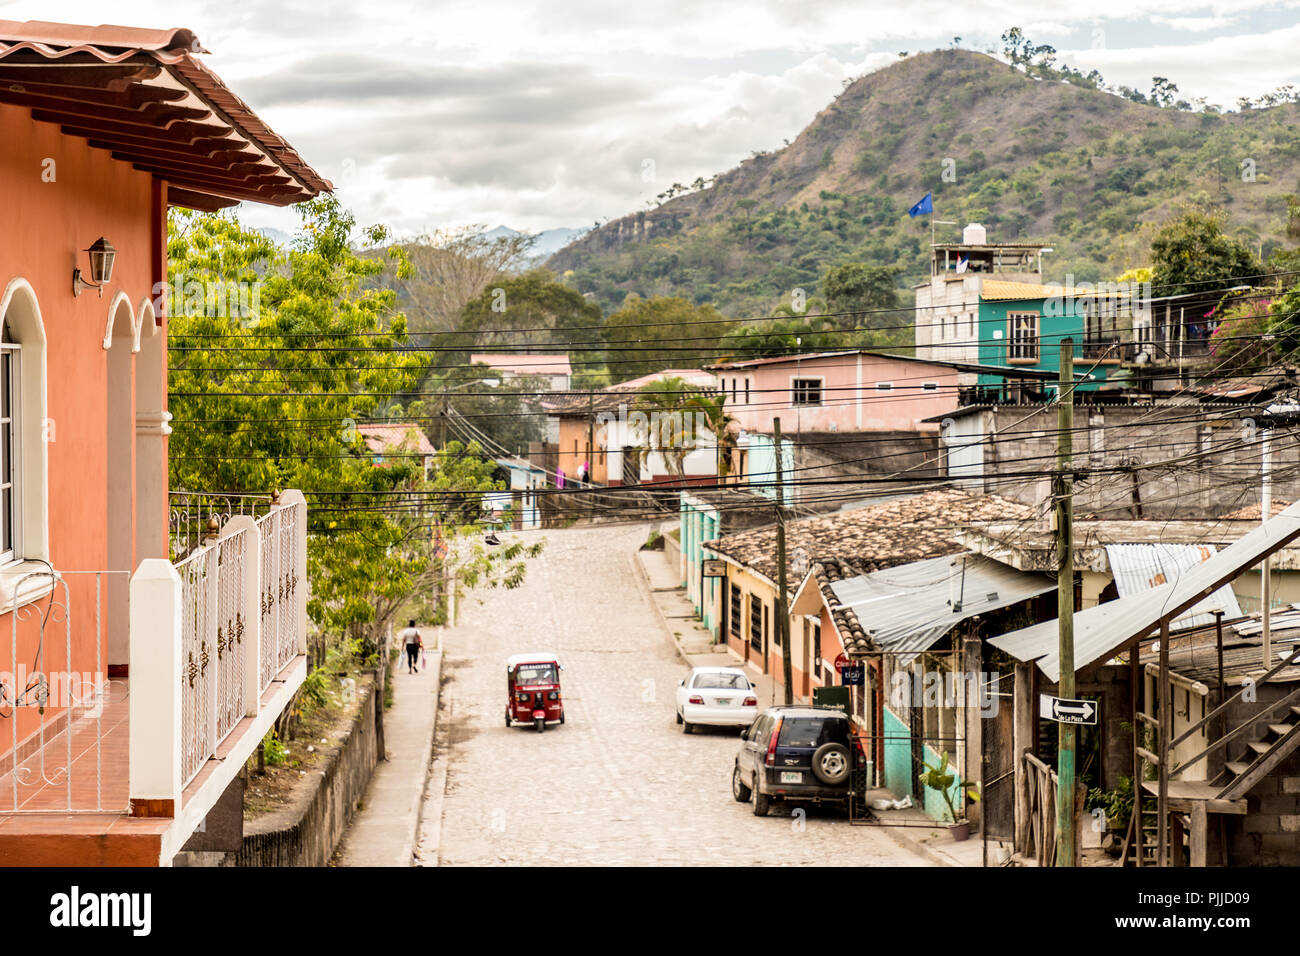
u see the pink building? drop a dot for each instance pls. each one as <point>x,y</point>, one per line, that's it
<point>853,390</point>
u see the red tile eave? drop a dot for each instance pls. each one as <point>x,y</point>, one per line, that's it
<point>91,81</point>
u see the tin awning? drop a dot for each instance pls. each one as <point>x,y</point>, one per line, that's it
<point>1103,631</point>
<point>906,609</point>
<point>1138,568</point>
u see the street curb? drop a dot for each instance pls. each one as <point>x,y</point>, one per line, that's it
<point>643,577</point>
<point>920,849</point>
<point>428,750</point>
<point>428,827</point>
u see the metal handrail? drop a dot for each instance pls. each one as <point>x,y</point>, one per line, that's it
<point>1292,658</point>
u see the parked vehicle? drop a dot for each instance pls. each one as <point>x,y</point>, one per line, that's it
<point>716,696</point>
<point>796,754</point>
<point>533,690</point>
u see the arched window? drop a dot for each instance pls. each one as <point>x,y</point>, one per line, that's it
<point>24,431</point>
<point>10,445</point>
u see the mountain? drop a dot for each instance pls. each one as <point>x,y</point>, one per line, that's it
<point>1085,172</point>
<point>278,236</point>
<point>549,241</point>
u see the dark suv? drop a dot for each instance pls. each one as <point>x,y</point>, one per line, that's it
<point>796,754</point>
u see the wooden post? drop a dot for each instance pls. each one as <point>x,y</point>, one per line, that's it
<point>1022,731</point>
<point>1165,734</point>
<point>972,723</point>
<point>1135,707</point>
<point>1199,835</point>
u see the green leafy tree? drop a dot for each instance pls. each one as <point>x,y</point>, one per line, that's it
<point>269,393</point>
<point>861,290</point>
<point>1192,253</point>
<point>673,431</point>
<point>534,309</point>
<point>649,335</point>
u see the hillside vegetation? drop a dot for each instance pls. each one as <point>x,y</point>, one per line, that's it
<point>1085,172</point>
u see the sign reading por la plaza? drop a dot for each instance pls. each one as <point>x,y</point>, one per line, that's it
<point>1065,711</point>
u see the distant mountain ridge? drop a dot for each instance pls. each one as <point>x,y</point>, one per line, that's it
<point>1085,172</point>
<point>548,242</point>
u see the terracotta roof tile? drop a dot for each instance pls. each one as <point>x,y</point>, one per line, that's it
<point>144,96</point>
<point>849,543</point>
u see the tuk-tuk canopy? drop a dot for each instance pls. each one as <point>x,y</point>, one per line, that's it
<point>536,657</point>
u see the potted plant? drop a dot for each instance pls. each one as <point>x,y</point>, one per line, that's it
<point>941,779</point>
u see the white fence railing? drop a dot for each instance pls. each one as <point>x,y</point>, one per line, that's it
<point>232,615</point>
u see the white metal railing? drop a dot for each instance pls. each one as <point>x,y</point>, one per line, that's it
<point>240,620</point>
<point>61,708</point>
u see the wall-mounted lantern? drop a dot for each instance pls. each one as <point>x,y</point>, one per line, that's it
<point>101,254</point>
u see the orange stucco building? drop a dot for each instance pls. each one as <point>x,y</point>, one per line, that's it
<point>101,130</point>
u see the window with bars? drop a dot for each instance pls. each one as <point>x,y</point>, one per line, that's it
<point>756,634</point>
<point>817,650</point>
<point>1022,328</point>
<point>734,622</point>
<point>806,391</point>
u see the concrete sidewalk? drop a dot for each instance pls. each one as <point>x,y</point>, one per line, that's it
<point>383,833</point>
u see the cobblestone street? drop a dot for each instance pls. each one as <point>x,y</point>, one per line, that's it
<point>618,783</point>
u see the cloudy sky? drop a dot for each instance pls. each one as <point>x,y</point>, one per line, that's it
<point>535,114</point>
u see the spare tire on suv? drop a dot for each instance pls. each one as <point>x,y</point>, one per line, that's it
<point>830,764</point>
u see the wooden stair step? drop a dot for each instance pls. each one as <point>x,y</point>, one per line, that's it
<point>1281,729</point>
<point>1258,746</point>
<point>1295,709</point>
<point>1237,767</point>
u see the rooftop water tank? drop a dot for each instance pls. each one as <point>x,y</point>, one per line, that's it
<point>974,235</point>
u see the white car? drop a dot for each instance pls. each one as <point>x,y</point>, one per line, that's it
<point>716,696</point>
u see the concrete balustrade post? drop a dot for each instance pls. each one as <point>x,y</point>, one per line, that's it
<point>155,702</point>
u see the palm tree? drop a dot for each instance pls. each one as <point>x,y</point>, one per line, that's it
<point>714,412</point>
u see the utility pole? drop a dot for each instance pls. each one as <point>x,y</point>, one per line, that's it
<point>591,448</point>
<point>1061,495</point>
<point>782,612</point>
<point>1266,512</point>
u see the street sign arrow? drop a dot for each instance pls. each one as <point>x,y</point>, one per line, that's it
<point>1065,711</point>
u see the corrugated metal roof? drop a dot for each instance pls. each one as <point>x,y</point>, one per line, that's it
<point>1141,567</point>
<point>525,363</point>
<point>1103,631</point>
<point>145,97</point>
<point>999,289</point>
<point>906,609</point>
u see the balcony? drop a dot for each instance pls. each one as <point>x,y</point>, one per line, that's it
<point>113,771</point>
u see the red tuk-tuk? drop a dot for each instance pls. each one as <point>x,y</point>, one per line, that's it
<point>533,690</point>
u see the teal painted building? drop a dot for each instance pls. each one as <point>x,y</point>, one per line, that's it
<point>700,522</point>
<point>760,468</point>
<point>1021,325</point>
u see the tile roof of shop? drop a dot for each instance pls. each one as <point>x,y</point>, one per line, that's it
<point>866,539</point>
<point>144,96</point>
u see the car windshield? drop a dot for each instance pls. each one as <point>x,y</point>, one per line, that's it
<point>812,731</point>
<point>536,674</point>
<point>722,681</point>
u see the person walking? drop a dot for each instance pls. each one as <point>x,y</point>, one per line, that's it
<point>414,645</point>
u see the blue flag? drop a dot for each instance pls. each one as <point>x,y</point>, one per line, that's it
<point>925,205</point>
